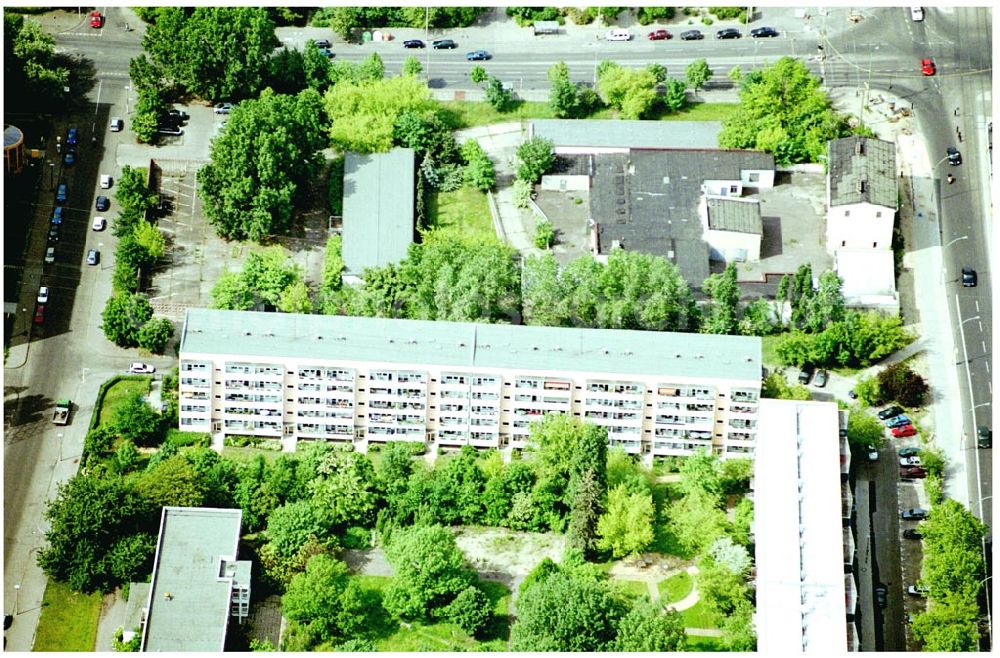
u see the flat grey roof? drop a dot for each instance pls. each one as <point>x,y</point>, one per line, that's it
<point>734,215</point>
<point>189,601</point>
<point>469,345</point>
<point>863,170</point>
<point>648,201</point>
<point>619,133</point>
<point>379,191</point>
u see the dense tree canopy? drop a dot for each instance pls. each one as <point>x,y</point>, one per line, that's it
<point>783,111</point>
<point>267,152</point>
<point>630,91</point>
<point>647,628</point>
<point>33,77</point>
<point>430,572</point>
<point>627,527</point>
<point>265,277</point>
<point>363,114</point>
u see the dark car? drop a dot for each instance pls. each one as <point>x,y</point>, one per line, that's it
<point>728,33</point>
<point>692,35</point>
<point>444,44</point>
<point>969,277</point>
<point>70,158</point>
<point>821,378</point>
<point>166,129</point>
<point>763,32</point>
<point>174,118</point>
<point>886,414</point>
<point>326,51</point>
<point>911,533</point>
<point>477,55</point>
<point>93,257</point>
<point>659,35</point>
<point>71,136</point>
<point>898,421</point>
<point>985,437</point>
<point>53,233</point>
<point>912,472</point>
<point>414,43</point>
<point>954,156</point>
<point>881,595</point>
<point>909,452</point>
<point>102,203</point>
<point>805,374</point>
<point>913,514</point>
<point>56,215</point>
<point>322,43</point>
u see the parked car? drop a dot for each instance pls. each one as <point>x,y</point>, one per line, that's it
<point>223,108</point>
<point>96,19</point>
<point>618,34</point>
<point>728,33</point>
<point>927,67</point>
<point>174,117</point>
<point>912,472</point>
<point>72,135</point>
<point>969,277</point>
<point>908,451</point>
<point>116,125</point>
<point>322,43</point>
<point>50,255</point>
<point>53,233</point>
<point>918,590</point>
<point>43,294</point>
<point>98,224</point>
<point>70,158</point>
<point>692,35</point>
<point>985,439</point>
<point>444,44</point>
<point>56,215</point>
<point>912,533</point>
<point>872,454</point>
<point>898,421</point>
<point>913,514</point>
<point>93,257</point>
<point>327,52</point>
<point>169,130</point>
<point>763,32</point>
<point>62,192</point>
<point>913,460</point>
<point>477,55</point>
<point>39,314</point>
<point>852,394</point>
<point>141,368</point>
<point>805,374</point>
<point>659,35</point>
<point>414,43</point>
<point>821,378</point>
<point>904,431</point>
<point>106,181</point>
<point>886,414</point>
<point>881,595</point>
<point>917,13</point>
<point>102,203</point>
<point>954,156</point>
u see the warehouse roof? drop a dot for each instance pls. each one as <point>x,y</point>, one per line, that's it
<point>737,215</point>
<point>379,191</point>
<point>470,345</point>
<point>862,170</point>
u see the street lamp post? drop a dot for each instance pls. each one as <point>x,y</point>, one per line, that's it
<point>17,593</point>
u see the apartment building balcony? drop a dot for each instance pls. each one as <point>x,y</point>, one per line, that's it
<point>740,436</point>
<point>484,396</point>
<point>253,369</point>
<point>633,447</point>
<point>253,426</point>
<point>614,416</point>
<point>742,409</point>
<point>250,385</point>
<point>395,433</point>
<point>744,396</point>
<point>610,388</point>
<point>623,403</point>
<point>484,422</point>
<point>195,382</point>
<point>743,423</point>
<point>253,398</point>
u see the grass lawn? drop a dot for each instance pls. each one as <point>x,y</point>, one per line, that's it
<point>467,114</point>
<point>68,621</point>
<point>703,643</point>
<point>676,587</point>
<point>699,616</point>
<point>464,212</point>
<point>767,355</point>
<point>632,588</point>
<point>249,454</point>
<point>116,395</point>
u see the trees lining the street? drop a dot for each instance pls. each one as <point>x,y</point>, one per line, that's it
<point>33,77</point>
<point>363,115</point>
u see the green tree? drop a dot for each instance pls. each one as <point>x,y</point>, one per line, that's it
<point>100,534</point>
<point>568,613</point>
<point>470,610</point>
<point>269,149</point>
<point>953,553</point>
<point>563,97</point>
<point>498,95</point>
<point>316,598</point>
<point>315,70</point>
<point>430,572</point>
<point>647,628</point>
<point>725,294</point>
<point>363,115</point>
<point>123,317</point>
<point>478,74</point>
<point>345,492</point>
<point>155,334</point>
<point>33,75</point>
<point>776,386</point>
<point>151,240</point>
<point>868,390</point>
<point>545,234</point>
<point>696,521</point>
<point>266,277</point>
<point>174,482</point>
<point>702,472</point>
<point>758,319</point>
<point>295,299</point>
<point>898,382</point>
<point>290,526</point>
<point>738,628</point>
<point>948,626</point>
<point>674,94</point>
<point>826,305</point>
<point>343,20</point>
<point>412,66</point>
<point>535,157</point>
<point>136,421</point>
<point>631,91</point>
<point>585,514</point>
<point>132,190</point>
<point>627,527</point>
<point>697,74</point>
<point>863,430</point>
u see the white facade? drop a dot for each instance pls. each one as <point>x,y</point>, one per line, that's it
<point>859,226</point>
<point>869,277</point>
<point>734,246</point>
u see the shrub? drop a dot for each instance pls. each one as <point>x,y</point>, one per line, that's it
<point>522,191</point>
<point>934,488</point>
<point>898,382</point>
<point>545,234</point>
<point>706,20</point>
<point>183,439</point>
<point>470,610</point>
<point>357,537</point>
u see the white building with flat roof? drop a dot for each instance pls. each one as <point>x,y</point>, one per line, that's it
<point>805,597</point>
<point>314,377</point>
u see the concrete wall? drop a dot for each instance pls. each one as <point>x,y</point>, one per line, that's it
<point>859,226</point>
<point>729,243</point>
<point>566,183</point>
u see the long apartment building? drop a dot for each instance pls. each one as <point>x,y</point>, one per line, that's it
<point>335,378</point>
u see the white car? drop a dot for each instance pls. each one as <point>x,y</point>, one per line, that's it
<point>99,224</point>
<point>50,255</point>
<point>43,294</point>
<point>618,34</point>
<point>105,181</point>
<point>223,108</point>
<point>141,368</point>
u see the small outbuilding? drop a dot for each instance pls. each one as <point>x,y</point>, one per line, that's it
<point>545,27</point>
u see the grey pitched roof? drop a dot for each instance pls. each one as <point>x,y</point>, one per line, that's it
<point>741,216</point>
<point>648,201</point>
<point>617,133</point>
<point>379,191</point>
<point>862,170</point>
<point>468,345</point>
<point>188,601</point>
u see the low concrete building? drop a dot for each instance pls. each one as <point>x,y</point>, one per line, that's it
<point>733,229</point>
<point>198,583</point>
<point>593,136</point>
<point>379,209</point>
<point>869,277</point>
<point>862,193</point>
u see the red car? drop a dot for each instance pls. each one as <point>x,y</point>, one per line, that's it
<point>912,472</point>
<point>659,35</point>
<point>39,314</point>
<point>927,67</point>
<point>96,19</point>
<point>905,430</point>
